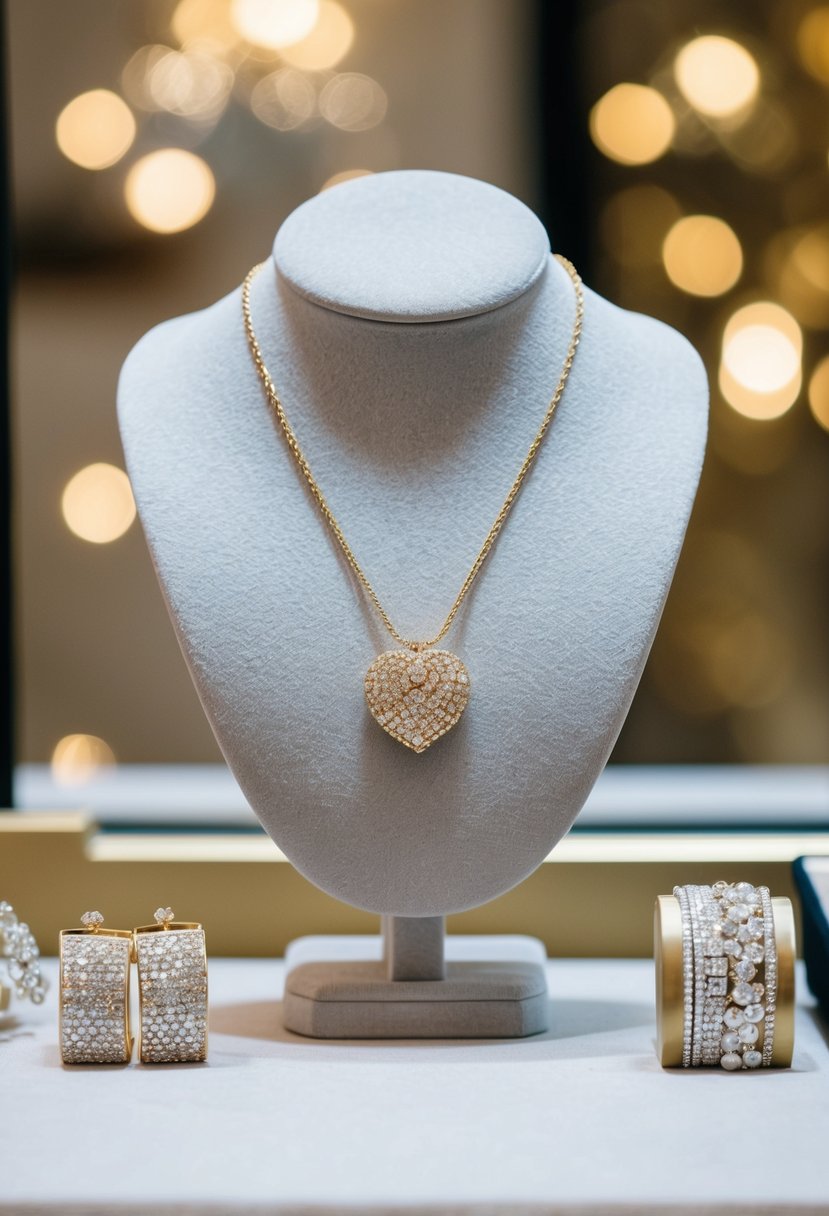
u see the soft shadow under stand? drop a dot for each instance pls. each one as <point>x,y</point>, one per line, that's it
<point>414,992</point>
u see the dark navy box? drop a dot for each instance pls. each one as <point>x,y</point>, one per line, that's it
<point>811,876</point>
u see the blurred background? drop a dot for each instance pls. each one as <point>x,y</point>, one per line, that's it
<point>677,152</point>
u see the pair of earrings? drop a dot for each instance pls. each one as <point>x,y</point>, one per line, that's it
<point>95,966</point>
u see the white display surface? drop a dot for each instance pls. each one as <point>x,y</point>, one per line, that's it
<point>582,1115</point>
<point>415,426</point>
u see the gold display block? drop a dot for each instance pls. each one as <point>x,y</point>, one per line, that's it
<point>670,996</point>
<point>593,897</point>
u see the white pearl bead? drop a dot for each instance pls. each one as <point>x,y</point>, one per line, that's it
<point>731,1061</point>
<point>748,1033</point>
<point>731,1041</point>
<point>742,994</point>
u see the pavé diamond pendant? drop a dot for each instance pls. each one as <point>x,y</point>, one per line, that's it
<point>417,694</point>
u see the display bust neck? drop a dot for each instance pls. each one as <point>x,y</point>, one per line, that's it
<point>411,247</point>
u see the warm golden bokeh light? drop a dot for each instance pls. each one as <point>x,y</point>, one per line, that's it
<point>346,175</point>
<point>764,312</point>
<point>717,76</point>
<point>819,393</point>
<point>274,24</point>
<point>76,759</point>
<point>191,84</point>
<point>169,190</point>
<point>284,100</point>
<point>760,371</point>
<point>634,221</point>
<point>97,503</point>
<point>328,42</point>
<point>136,73</point>
<point>353,102</point>
<point>632,124</point>
<point>203,23</point>
<point>95,129</point>
<point>813,43</point>
<point>702,255</point>
<point>761,358</point>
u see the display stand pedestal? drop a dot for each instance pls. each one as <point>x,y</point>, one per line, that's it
<point>414,983</point>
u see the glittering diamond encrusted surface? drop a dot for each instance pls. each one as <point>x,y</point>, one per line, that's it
<point>417,696</point>
<point>770,955</point>
<point>94,975</point>
<point>681,895</point>
<point>172,974</point>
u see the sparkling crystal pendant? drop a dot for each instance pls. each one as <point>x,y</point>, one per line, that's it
<point>417,695</point>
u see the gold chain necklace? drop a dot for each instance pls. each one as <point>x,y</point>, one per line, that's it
<point>418,693</point>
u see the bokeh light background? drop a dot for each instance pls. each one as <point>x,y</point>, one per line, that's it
<point>157,147</point>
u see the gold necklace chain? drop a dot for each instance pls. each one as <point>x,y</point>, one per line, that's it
<point>319,497</point>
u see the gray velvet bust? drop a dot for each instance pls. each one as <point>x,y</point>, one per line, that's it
<point>415,325</point>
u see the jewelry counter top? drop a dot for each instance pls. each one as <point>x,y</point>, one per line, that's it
<point>579,1120</point>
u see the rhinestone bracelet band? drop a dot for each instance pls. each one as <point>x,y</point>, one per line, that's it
<point>714,980</point>
<point>687,975</point>
<point>770,948</point>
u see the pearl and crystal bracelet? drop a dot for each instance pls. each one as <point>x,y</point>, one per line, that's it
<point>725,977</point>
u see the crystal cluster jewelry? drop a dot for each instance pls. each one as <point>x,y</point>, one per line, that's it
<point>728,942</point>
<point>20,952</point>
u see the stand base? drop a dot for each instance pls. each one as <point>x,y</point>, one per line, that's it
<point>349,994</point>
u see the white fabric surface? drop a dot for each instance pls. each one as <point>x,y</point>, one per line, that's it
<point>580,1116</point>
<point>416,433</point>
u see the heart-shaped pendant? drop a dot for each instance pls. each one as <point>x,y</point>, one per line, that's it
<point>417,695</point>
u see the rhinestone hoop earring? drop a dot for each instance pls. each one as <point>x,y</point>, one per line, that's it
<point>172,986</point>
<point>95,993</point>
